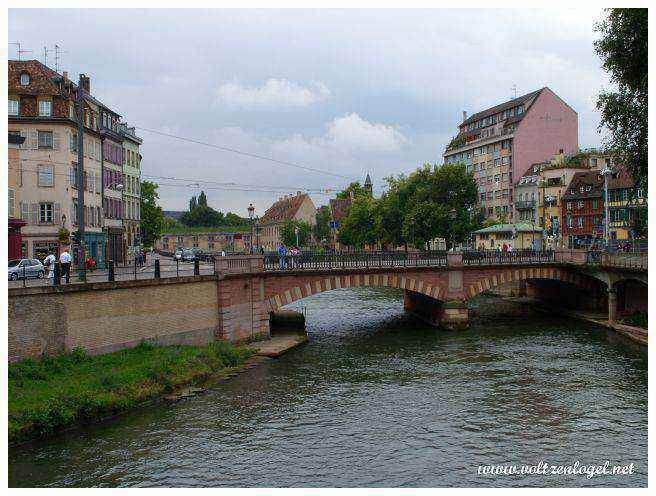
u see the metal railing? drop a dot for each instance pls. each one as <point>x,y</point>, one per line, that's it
<point>637,261</point>
<point>350,260</point>
<point>524,204</point>
<point>515,257</point>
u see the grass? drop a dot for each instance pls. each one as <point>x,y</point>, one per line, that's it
<point>51,394</point>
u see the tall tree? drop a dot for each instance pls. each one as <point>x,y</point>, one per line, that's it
<point>321,229</point>
<point>152,216</point>
<point>358,227</point>
<point>202,199</point>
<point>288,233</point>
<point>353,189</point>
<point>623,51</point>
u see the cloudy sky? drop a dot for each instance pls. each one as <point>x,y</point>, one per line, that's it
<point>341,91</point>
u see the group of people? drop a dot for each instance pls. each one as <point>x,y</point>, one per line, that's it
<point>65,261</point>
<point>283,252</point>
<point>140,258</point>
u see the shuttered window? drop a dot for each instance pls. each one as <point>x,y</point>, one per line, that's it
<point>12,201</point>
<point>45,176</point>
<point>46,213</point>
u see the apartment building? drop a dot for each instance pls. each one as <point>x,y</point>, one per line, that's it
<point>131,190</point>
<point>42,111</point>
<point>289,207</point>
<point>14,222</point>
<point>499,144</point>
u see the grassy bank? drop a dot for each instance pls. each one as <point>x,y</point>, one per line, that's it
<point>48,395</point>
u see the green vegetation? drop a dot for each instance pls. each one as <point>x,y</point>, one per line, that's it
<point>50,394</point>
<point>638,319</point>
<point>152,217</point>
<point>200,214</point>
<point>623,52</point>
<point>288,234</point>
<point>432,202</point>
<point>321,230</point>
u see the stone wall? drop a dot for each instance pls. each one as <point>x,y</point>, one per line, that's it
<point>104,317</point>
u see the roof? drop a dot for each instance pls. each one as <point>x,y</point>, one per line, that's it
<point>519,227</point>
<point>339,207</point>
<point>175,214</point>
<point>284,209</point>
<point>526,99</point>
<point>592,183</point>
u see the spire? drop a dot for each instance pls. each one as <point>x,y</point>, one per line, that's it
<point>368,187</point>
<point>367,180</point>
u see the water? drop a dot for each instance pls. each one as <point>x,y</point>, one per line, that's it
<point>379,399</point>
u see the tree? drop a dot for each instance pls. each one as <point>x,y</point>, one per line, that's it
<point>358,227</point>
<point>288,233</point>
<point>321,229</point>
<point>355,189</point>
<point>152,217</point>
<point>171,223</point>
<point>623,51</point>
<point>202,199</point>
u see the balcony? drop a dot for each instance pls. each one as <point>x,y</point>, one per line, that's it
<point>525,204</point>
<point>458,145</point>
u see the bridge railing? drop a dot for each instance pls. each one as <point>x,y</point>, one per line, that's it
<point>515,257</point>
<point>628,260</point>
<point>319,261</point>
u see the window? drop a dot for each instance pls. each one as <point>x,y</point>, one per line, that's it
<point>569,206</point>
<point>595,204</point>
<point>580,205</point>
<point>45,213</point>
<point>45,139</point>
<point>520,109</point>
<point>569,221</point>
<point>593,162</point>
<point>24,79</point>
<point>12,201</point>
<point>580,222</point>
<point>13,106</point>
<point>45,176</point>
<point>45,108</point>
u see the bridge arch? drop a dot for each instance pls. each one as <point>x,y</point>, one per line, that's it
<point>300,287</point>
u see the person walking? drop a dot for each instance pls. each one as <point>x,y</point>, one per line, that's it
<point>65,260</point>
<point>49,263</point>
<point>282,251</point>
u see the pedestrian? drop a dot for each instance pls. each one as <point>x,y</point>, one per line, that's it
<point>65,260</point>
<point>510,248</point>
<point>49,263</point>
<point>505,247</point>
<point>282,251</point>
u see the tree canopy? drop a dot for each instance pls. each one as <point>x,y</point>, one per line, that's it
<point>288,233</point>
<point>321,229</point>
<point>152,216</point>
<point>200,214</point>
<point>623,51</point>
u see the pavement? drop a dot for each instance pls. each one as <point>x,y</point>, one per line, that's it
<point>279,343</point>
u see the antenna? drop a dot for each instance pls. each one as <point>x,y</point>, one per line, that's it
<point>19,51</point>
<point>45,55</point>
<point>514,90</point>
<point>58,50</point>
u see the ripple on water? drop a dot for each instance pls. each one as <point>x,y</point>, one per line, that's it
<point>379,399</point>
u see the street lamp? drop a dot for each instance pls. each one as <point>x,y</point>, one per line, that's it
<point>251,214</point>
<point>453,214</point>
<point>605,173</point>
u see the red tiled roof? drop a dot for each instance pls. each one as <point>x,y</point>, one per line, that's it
<point>283,209</point>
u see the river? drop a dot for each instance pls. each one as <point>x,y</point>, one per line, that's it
<point>376,398</point>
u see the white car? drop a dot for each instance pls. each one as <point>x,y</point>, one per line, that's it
<point>26,267</point>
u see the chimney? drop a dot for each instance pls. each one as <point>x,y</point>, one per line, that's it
<point>464,115</point>
<point>85,83</point>
<point>65,75</point>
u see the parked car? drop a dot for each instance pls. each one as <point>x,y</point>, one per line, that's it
<point>188,256</point>
<point>30,267</point>
<point>177,255</point>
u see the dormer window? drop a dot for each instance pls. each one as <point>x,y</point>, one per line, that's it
<point>24,79</point>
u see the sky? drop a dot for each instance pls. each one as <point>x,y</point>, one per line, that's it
<point>343,92</point>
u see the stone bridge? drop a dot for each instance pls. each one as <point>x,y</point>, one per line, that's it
<point>233,298</point>
<point>436,289</point>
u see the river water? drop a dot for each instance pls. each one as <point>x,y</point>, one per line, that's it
<point>377,398</point>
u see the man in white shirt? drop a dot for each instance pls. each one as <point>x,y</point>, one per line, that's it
<point>49,263</point>
<point>65,260</point>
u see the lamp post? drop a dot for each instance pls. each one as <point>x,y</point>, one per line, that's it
<point>605,173</point>
<point>453,215</point>
<point>251,214</point>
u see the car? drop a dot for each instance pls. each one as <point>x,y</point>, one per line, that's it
<point>188,256</point>
<point>26,267</point>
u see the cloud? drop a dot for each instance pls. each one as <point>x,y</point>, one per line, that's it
<point>354,132</point>
<point>274,92</point>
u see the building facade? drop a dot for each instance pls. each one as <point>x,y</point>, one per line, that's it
<point>583,209</point>
<point>42,110</point>
<point>499,144</point>
<point>14,222</point>
<point>131,190</point>
<point>290,207</point>
<point>215,241</point>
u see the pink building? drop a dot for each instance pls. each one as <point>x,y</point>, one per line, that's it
<point>499,144</point>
